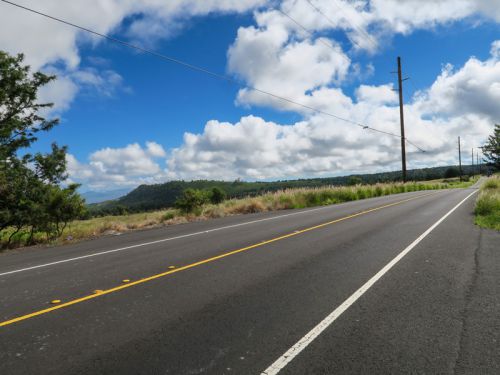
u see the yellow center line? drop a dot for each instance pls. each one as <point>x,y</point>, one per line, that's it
<point>201,262</point>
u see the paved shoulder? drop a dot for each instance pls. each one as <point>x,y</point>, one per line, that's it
<point>480,339</point>
<point>436,312</point>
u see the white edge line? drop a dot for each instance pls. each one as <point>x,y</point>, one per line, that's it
<point>162,240</point>
<point>291,353</point>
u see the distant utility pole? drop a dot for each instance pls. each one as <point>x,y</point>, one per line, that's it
<point>472,164</point>
<point>459,160</point>
<point>402,120</point>
<point>477,161</point>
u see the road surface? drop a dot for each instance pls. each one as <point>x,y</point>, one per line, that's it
<point>397,284</point>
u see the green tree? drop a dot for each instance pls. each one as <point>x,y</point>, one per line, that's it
<point>217,195</point>
<point>30,192</point>
<point>491,150</point>
<point>60,207</point>
<point>191,200</point>
<point>451,172</point>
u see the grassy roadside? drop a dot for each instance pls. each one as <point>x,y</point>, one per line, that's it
<point>280,200</point>
<point>487,209</point>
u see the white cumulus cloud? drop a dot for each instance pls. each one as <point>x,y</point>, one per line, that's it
<point>460,102</point>
<point>275,55</point>
<point>119,167</point>
<point>54,47</point>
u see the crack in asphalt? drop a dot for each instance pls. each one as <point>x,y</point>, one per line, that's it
<point>467,301</point>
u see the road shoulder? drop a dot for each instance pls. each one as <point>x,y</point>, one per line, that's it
<point>480,338</point>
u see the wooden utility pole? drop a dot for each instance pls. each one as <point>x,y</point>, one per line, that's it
<point>459,160</point>
<point>472,161</point>
<point>402,120</point>
<point>477,162</point>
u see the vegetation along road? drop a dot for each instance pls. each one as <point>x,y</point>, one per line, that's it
<point>394,284</point>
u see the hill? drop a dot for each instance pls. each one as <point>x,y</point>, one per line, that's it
<point>153,197</point>
<point>102,196</point>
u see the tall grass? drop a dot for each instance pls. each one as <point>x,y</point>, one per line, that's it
<point>487,209</point>
<point>311,197</point>
<point>279,200</point>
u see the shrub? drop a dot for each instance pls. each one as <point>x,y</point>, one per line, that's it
<point>169,215</point>
<point>191,200</point>
<point>217,195</point>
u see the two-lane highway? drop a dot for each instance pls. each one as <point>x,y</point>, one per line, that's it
<point>238,294</point>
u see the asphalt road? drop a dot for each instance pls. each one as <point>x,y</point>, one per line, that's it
<point>265,293</point>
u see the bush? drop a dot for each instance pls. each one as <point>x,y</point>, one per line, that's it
<point>168,215</point>
<point>217,195</point>
<point>191,200</point>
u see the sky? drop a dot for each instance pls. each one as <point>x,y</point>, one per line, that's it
<point>130,118</point>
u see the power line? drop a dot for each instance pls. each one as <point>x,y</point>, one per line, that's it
<point>328,45</point>
<point>203,70</point>
<point>330,21</point>
<point>311,33</point>
<point>361,30</point>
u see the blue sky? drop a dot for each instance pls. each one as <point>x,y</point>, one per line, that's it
<point>156,101</point>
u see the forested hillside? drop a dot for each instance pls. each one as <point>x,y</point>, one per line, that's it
<point>152,197</point>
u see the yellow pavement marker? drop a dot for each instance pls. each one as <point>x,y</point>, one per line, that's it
<point>129,284</point>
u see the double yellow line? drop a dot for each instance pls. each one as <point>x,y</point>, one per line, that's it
<point>199,263</point>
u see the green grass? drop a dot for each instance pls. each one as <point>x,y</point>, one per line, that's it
<point>280,200</point>
<point>487,209</point>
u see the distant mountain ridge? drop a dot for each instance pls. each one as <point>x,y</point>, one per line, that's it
<point>158,196</point>
<point>102,196</point>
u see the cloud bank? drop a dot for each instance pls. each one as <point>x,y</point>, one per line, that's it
<point>276,55</point>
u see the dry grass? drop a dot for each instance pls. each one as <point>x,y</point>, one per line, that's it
<point>280,200</point>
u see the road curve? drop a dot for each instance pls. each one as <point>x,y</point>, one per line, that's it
<point>233,295</point>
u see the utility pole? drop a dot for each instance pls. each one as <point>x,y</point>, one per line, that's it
<point>478,163</point>
<point>402,121</point>
<point>459,160</point>
<point>472,164</point>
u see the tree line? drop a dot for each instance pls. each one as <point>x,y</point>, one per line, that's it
<point>159,196</point>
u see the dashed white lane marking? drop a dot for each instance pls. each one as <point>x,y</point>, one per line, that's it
<point>291,353</point>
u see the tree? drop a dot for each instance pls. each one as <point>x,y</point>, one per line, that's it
<point>60,207</point>
<point>491,150</point>
<point>217,195</point>
<point>30,192</point>
<point>451,172</point>
<point>20,120</point>
<point>191,200</point>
